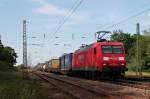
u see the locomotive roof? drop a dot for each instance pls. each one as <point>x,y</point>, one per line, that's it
<point>98,43</point>
<point>109,43</point>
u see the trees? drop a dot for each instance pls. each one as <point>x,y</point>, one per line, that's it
<point>131,48</point>
<point>146,49</point>
<point>7,57</point>
<point>126,38</point>
<point>10,55</point>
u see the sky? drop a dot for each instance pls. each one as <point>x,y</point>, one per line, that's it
<point>44,17</point>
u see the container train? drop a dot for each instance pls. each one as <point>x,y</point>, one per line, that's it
<point>99,58</point>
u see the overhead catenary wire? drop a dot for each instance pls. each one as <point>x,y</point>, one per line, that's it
<point>128,18</point>
<point>70,13</point>
<point>105,27</point>
<point>125,19</point>
<point>72,10</point>
<point>60,21</point>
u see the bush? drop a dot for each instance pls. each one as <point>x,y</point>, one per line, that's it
<point>5,66</point>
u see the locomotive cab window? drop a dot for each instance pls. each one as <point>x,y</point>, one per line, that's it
<point>107,49</point>
<point>117,49</point>
<point>112,49</point>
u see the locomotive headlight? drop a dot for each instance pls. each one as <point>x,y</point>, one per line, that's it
<point>105,58</point>
<point>121,58</point>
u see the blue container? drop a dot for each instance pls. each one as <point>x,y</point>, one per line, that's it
<point>66,63</point>
<point>62,62</point>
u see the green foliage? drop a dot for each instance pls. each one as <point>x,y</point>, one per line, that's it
<point>7,57</point>
<point>4,66</point>
<point>22,67</point>
<point>15,85</point>
<point>131,49</point>
<point>127,39</point>
<point>21,85</point>
<point>145,52</point>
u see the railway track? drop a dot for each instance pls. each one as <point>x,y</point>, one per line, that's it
<point>140,84</point>
<point>143,79</point>
<point>76,89</point>
<point>87,89</point>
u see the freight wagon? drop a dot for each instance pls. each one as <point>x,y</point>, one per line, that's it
<point>45,66</point>
<point>66,63</point>
<point>54,65</point>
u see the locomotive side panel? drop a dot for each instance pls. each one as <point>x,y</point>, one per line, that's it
<point>84,60</point>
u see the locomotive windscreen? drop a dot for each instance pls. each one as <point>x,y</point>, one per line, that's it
<point>112,49</point>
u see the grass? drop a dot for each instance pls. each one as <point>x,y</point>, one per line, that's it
<point>15,85</point>
<point>18,85</point>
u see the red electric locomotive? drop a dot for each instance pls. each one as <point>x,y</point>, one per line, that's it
<point>102,57</point>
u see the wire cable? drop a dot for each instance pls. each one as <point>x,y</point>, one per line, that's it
<point>128,18</point>
<point>73,9</point>
<point>67,13</point>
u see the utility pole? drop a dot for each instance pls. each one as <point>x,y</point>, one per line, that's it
<point>29,60</point>
<point>24,44</point>
<point>138,58</point>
